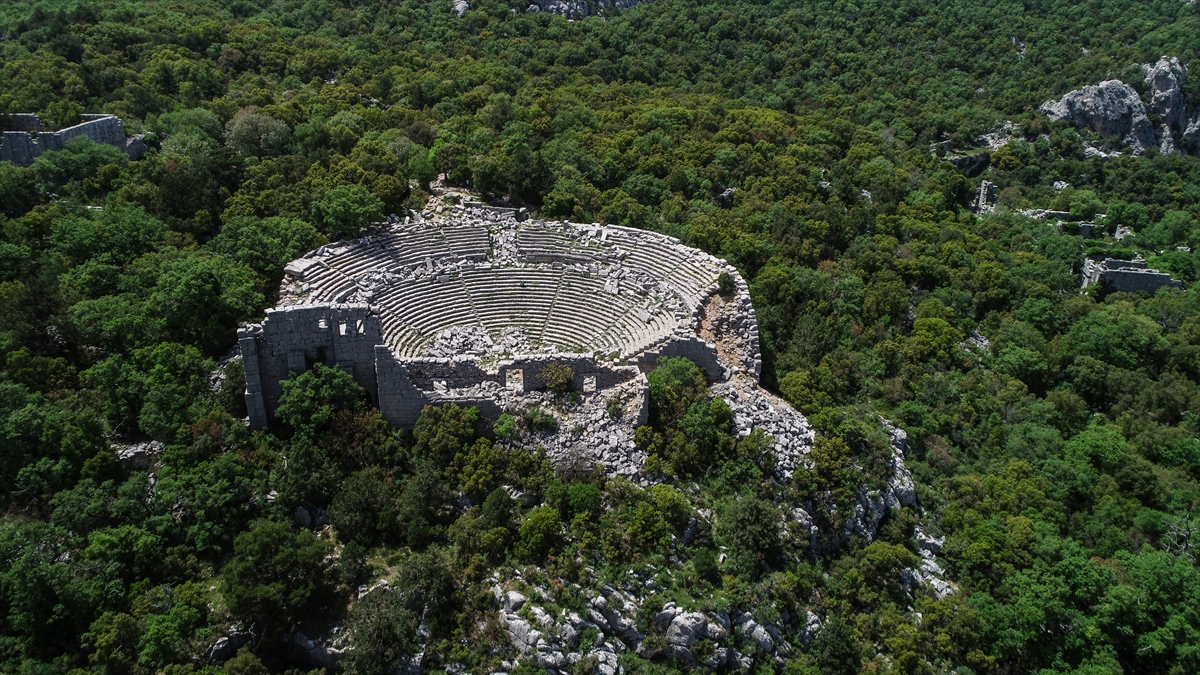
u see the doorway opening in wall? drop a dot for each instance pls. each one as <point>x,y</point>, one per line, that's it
<point>514,380</point>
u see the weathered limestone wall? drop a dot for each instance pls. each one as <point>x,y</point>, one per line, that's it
<point>1129,276</point>
<point>703,354</point>
<point>400,401</point>
<point>100,128</point>
<point>20,148</point>
<point>293,338</point>
<point>1134,281</point>
<point>22,122</point>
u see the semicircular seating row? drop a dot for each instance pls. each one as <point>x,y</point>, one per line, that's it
<point>566,307</point>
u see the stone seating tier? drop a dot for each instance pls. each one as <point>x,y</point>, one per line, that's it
<point>556,304</point>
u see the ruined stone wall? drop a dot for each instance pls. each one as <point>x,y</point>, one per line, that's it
<point>21,122</point>
<point>1129,276</point>
<point>584,367</point>
<point>451,373</point>
<point>20,148</point>
<point>1137,281</point>
<point>106,129</point>
<point>400,401</point>
<point>293,338</point>
<point>703,354</point>
<point>349,336</point>
<point>431,374</point>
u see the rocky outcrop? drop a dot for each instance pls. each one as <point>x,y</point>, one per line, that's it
<point>557,640</point>
<point>973,164</point>
<point>227,646</point>
<point>1165,81</point>
<point>138,456</point>
<point>1114,109</point>
<point>326,653</point>
<point>577,9</point>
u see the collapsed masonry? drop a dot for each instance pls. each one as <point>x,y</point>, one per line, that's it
<point>471,307</point>
<point>25,140</point>
<point>1130,276</point>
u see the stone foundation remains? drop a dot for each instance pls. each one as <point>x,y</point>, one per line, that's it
<point>21,147</point>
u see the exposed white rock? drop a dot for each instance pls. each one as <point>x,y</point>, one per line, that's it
<point>812,626</point>
<point>757,634</point>
<point>578,9</point>
<point>513,601</point>
<point>1115,110</point>
<point>321,653</point>
<point>138,456</point>
<point>686,628</point>
<point>1165,81</point>
<point>1112,109</point>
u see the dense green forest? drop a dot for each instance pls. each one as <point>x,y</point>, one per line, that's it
<point>1053,434</point>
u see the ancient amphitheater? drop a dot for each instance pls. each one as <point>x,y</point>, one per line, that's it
<point>469,306</point>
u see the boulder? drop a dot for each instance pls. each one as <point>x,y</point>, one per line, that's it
<point>319,655</point>
<point>972,165</point>
<point>599,619</point>
<point>512,602</point>
<point>542,617</point>
<point>226,646</point>
<point>138,456</point>
<point>686,628</point>
<point>753,631</point>
<point>522,635</point>
<point>812,626</point>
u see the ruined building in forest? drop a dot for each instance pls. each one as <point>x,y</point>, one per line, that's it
<point>472,307</point>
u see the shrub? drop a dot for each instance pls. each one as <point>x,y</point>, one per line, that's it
<point>558,377</point>
<point>750,528</point>
<point>725,283</point>
<point>364,511</point>
<point>539,533</point>
<point>346,209</point>
<point>584,498</point>
<point>253,134</point>
<point>613,408</point>
<point>442,432</point>
<point>539,420</point>
<point>506,428</point>
<point>312,399</point>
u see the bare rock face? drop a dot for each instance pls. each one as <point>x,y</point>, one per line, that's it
<point>1114,109</point>
<point>578,9</point>
<point>1165,81</point>
<point>1111,109</point>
